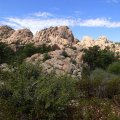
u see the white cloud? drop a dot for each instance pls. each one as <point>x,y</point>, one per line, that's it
<point>37,23</point>
<point>43,14</point>
<point>99,22</point>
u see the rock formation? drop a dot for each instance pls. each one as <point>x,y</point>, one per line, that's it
<point>60,64</point>
<point>60,38</point>
<point>21,37</point>
<point>5,32</point>
<point>102,42</point>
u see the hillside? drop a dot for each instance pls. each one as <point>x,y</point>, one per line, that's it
<point>67,54</point>
<point>54,76</point>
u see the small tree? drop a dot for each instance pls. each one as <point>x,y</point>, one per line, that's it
<point>97,58</point>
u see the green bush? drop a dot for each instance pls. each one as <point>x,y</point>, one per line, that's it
<point>95,109</point>
<point>97,58</point>
<point>114,68</point>
<point>104,84</point>
<point>6,53</point>
<point>31,94</point>
<point>53,94</point>
<point>28,50</point>
<point>18,90</point>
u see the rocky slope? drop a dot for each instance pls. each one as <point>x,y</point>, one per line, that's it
<point>67,58</point>
<point>62,36</point>
<point>59,63</point>
<point>5,32</point>
<point>102,41</point>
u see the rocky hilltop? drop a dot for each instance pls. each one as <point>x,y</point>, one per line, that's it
<point>67,56</point>
<point>102,41</point>
<point>60,36</point>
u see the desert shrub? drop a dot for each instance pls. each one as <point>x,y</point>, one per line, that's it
<point>95,109</point>
<point>113,87</point>
<point>97,58</point>
<point>44,48</point>
<point>7,111</point>
<point>85,71</point>
<point>32,95</point>
<point>117,99</point>
<point>84,87</point>
<point>17,91</point>
<point>99,83</point>
<point>104,84</point>
<point>28,50</point>
<point>114,68</point>
<point>117,43</point>
<point>6,53</point>
<point>53,94</point>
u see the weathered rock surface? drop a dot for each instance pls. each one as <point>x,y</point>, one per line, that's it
<point>62,36</point>
<point>20,37</point>
<point>5,32</point>
<point>63,42</point>
<point>58,37</point>
<point>59,63</point>
<point>15,38</point>
<point>102,41</point>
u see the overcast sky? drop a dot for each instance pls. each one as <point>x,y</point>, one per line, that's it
<point>84,17</point>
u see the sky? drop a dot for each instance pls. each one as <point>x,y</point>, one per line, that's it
<point>84,17</point>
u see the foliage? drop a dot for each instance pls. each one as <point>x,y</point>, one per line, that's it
<point>32,95</point>
<point>97,58</point>
<point>17,91</point>
<point>100,84</point>
<point>95,109</point>
<point>6,53</point>
<point>117,43</point>
<point>27,93</point>
<point>28,50</point>
<point>53,95</point>
<point>114,68</point>
<point>104,84</point>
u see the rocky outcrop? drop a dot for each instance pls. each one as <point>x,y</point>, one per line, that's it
<point>16,38</point>
<point>103,42</point>
<point>20,37</point>
<point>5,32</point>
<point>58,37</point>
<point>67,55</point>
<point>62,36</point>
<point>60,64</point>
